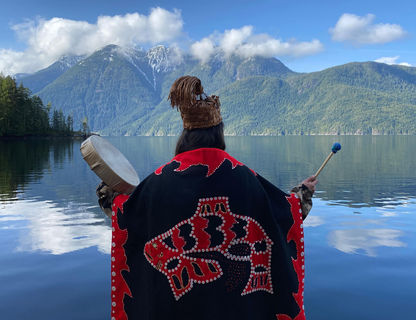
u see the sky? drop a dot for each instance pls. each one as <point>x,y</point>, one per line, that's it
<point>305,35</point>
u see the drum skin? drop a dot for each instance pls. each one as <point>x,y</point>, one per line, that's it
<point>109,164</point>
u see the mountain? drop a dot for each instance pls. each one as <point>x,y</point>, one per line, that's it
<point>124,92</point>
<point>356,98</point>
<point>42,78</point>
<point>359,98</point>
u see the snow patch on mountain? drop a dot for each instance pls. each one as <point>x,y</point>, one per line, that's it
<point>159,59</point>
<point>163,59</point>
<point>66,62</point>
<point>133,55</point>
<point>128,52</point>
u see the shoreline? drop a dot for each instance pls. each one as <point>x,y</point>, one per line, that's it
<point>39,137</point>
<point>80,137</point>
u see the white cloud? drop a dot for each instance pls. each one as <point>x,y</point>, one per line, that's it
<point>203,49</point>
<point>275,47</point>
<point>233,39</point>
<point>47,40</point>
<point>244,43</point>
<point>392,60</point>
<point>361,30</point>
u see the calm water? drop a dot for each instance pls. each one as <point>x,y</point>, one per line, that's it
<point>360,236</point>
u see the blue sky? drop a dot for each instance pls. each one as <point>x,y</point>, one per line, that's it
<point>305,35</point>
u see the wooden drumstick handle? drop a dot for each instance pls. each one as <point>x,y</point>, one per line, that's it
<point>335,148</point>
<point>323,164</point>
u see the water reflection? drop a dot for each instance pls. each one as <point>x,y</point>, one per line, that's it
<point>47,195</point>
<point>313,221</point>
<point>25,161</point>
<point>368,171</point>
<point>47,185</point>
<point>56,230</point>
<point>369,231</point>
<point>365,206</point>
<point>365,240</point>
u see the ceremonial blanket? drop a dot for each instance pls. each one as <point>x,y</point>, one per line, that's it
<point>204,237</point>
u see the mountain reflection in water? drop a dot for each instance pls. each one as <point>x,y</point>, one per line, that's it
<point>363,215</point>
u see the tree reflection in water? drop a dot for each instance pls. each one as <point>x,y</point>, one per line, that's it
<point>23,161</point>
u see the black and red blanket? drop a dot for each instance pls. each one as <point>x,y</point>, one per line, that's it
<point>205,237</point>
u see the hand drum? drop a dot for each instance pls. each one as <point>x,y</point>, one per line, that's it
<point>109,164</point>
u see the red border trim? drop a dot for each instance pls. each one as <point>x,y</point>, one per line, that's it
<point>296,234</point>
<point>119,287</point>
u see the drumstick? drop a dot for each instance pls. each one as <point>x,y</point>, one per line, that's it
<point>335,148</point>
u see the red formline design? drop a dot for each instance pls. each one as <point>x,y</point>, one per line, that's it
<point>119,287</point>
<point>296,234</point>
<point>202,271</point>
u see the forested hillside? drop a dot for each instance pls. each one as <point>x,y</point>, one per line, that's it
<point>24,115</point>
<point>124,91</point>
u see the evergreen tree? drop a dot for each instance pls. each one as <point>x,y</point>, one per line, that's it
<point>55,120</point>
<point>70,123</point>
<point>85,127</point>
<point>23,114</point>
<point>61,121</point>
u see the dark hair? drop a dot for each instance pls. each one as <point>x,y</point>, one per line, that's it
<point>212,137</point>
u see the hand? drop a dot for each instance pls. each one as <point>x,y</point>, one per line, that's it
<point>310,183</point>
<point>105,198</point>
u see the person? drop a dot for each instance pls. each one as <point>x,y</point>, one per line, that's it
<point>204,236</point>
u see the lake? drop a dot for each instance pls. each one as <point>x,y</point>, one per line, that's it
<point>360,237</point>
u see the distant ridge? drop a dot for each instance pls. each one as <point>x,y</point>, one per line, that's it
<point>123,91</point>
<point>38,80</point>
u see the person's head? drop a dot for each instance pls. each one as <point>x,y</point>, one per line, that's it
<point>202,121</point>
<point>212,137</point>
